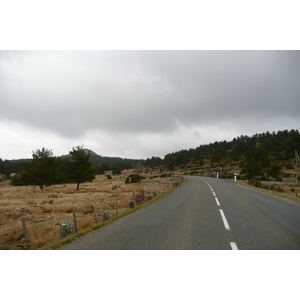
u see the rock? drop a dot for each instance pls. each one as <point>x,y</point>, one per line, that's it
<point>115,187</point>
<point>153,193</point>
<point>21,209</point>
<point>106,216</point>
<point>66,228</point>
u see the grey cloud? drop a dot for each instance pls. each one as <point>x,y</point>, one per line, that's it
<point>72,92</point>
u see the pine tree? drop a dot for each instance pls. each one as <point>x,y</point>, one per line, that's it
<point>41,171</point>
<point>81,169</point>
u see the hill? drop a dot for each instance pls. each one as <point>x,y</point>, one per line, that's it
<point>264,155</point>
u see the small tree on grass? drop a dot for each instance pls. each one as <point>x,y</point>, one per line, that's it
<point>81,169</point>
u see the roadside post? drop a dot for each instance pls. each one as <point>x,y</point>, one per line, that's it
<point>234,176</point>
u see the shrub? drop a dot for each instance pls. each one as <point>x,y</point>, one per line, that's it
<point>254,182</point>
<point>134,178</point>
<point>139,197</point>
<point>132,204</point>
<point>45,209</point>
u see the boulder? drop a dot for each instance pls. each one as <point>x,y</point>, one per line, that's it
<point>106,216</point>
<point>66,228</point>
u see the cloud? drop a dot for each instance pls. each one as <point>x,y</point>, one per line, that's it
<point>136,102</point>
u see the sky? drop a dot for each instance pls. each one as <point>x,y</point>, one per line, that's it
<point>139,104</point>
<point>135,86</point>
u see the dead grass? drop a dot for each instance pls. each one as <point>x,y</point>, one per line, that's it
<point>45,209</point>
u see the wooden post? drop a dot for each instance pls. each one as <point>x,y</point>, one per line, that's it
<point>95,215</point>
<point>117,205</point>
<point>75,219</point>
<point>25,233</point>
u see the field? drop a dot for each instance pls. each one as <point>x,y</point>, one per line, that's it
<point>45,209</point>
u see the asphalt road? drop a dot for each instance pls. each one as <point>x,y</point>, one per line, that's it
<point>205,213</point>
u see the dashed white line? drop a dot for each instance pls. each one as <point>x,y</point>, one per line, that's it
<point>214,194</point>
<point>217,201</point>
<point>224,220</point>
<point>234,246</point>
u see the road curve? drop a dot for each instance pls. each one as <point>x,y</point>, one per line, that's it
<point>205,213</point>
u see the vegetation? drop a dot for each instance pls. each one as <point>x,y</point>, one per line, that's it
<point>262,155</point>
<point>81,169</point>
<point>41,171</point>
<point>45,209</point>
<point>45,170</point>
<point>134,178</point>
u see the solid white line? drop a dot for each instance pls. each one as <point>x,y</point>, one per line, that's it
<point>217,201</point>
<point>224,220</point>
<point>234,246</point>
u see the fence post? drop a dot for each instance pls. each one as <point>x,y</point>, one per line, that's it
<point>25,233</point>
<point>75,219</point>
<point>95,215</point>
<point>117,205</point>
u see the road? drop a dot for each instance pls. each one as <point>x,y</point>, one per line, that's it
<point>205,213</point>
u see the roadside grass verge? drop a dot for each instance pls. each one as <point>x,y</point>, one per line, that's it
<point>83,232</point>
<point>280,195</point>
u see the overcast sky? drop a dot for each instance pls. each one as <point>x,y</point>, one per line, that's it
<point>138,104</point>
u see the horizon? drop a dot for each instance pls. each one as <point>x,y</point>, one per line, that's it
<point>174,151</point>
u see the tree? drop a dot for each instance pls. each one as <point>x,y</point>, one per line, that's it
<point>255,163</point>
<point>81,169</point>
<point>41,171</point>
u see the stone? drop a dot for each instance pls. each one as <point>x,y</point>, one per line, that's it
<point>66,228</point>
<point>116,186</point>
<point>106,216</point>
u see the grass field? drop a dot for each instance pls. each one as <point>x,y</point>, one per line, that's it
<point>45,209</point>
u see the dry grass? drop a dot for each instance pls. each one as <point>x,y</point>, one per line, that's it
<point>44,209</point>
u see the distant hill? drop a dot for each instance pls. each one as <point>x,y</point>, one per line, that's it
<point>97,159</point>
<point>262,155</point>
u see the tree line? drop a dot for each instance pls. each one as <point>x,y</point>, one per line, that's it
<point>258,155</point>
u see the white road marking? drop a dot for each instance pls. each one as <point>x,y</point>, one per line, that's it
<point>224,220</point>
<point>214,194</point>
<point>217,201</point>
<point>234,246</point>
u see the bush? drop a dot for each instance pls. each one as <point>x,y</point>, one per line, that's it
<point>254,182</point>
<point>132,204</point>
<point>134,178</point>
